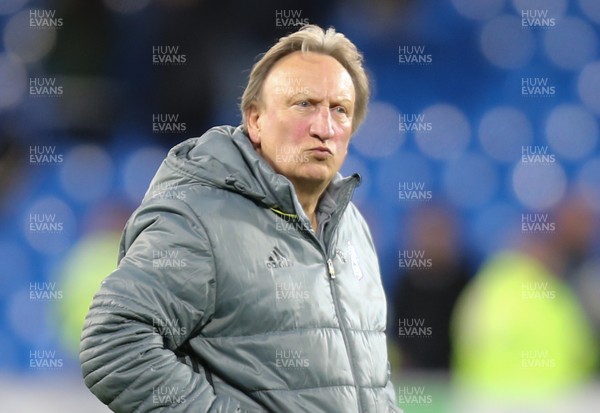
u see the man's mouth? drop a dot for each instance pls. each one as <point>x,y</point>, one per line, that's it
<point>321,150</point>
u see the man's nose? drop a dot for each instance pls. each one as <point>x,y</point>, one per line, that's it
<point>322,125</point>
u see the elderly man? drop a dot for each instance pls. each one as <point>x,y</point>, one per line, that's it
<point>247,281</point>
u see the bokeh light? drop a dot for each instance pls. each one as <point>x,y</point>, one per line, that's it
<point>11,6</point>
<point>13,82</point>
<point>477,9</point>
<point>49,225</point>
<point>87,172</point>
<point>139,169</point>
<point>405,168</point>
<point>470,180</point>
<point>555,8</point>
<point>503,131</point>
<point>505,44</point>
<point>539,186</point>
<point>572,131</point>
<point>27,43</point>
<point>571,44</point>
<point>28,318</point>
<point>379,135</point>
<point>15,266</point>
<point>588,86</point>
<point>449,135</point>
<point>591,8</point>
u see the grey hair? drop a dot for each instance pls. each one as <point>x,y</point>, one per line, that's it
<point>311,38</point>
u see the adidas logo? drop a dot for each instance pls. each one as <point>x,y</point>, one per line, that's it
<point>277,260</point>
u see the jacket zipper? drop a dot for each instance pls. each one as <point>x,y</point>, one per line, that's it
<point>331,271</point>
<point>336,305</point>
<point>330,268</point>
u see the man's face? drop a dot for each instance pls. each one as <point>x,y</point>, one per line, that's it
<point>303,120</point>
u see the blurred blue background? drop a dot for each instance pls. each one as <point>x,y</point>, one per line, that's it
<point>483,111</point>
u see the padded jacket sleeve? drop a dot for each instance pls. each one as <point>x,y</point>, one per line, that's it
<point>162,293</point>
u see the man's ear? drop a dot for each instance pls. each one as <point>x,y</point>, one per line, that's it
<point>253,118</point>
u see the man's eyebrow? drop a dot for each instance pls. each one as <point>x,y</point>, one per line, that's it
<point>307,93</point>
<point>342,99</point>
<point>303,95</point>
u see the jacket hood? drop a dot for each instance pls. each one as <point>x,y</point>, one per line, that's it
<point>224,158</point>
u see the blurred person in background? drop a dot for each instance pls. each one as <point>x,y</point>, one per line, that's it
<point>434,273</point>
<point>576,237</point>
<point>576,233</point>
<point>248,281</point>
<point>11,166</point>
<point>519,331</point>
<point>85,266</point>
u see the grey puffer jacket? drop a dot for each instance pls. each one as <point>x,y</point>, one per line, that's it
<point>226,301</point>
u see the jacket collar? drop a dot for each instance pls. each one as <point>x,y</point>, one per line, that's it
<point>224,157</point>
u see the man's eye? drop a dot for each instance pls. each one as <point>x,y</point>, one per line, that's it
<point>340,109</point>
<point>303,103</point>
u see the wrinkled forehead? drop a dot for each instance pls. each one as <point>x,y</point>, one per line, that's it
<point>309,73</point>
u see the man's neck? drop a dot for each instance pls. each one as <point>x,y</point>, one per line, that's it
<point>309,197</point>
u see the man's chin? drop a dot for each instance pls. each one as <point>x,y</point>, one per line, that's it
<point>317,170</point>
<point>313,175</point>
